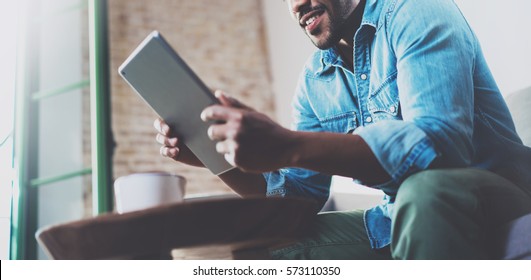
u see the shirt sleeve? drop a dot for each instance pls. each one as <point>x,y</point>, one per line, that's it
<point>297,181</point>
<point>435,51</point>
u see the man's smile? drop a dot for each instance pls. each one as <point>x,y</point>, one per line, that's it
<point>311,19</point>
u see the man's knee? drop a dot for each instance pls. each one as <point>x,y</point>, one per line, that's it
<point>425,205</point>
<point>426,187</point>
<point>443,213</point>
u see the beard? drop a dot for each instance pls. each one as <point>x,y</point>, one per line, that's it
<point>336,24</point>
<point>331,36</point>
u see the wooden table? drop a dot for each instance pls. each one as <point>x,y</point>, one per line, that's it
<point>242,228</point>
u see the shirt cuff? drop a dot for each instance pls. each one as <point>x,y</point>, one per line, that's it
<point>401,148</point>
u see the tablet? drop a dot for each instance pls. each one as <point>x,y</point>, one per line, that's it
<point>167,84</point>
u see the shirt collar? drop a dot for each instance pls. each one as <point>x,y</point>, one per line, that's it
<point>372,15</point>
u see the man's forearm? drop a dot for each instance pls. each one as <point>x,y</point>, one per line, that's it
<point>244,184</point>
<point>336,154</point>
<point>329,153</point>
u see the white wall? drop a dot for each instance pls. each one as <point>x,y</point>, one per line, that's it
<point>501,26</point>
<point>503,30</point>
<point>288,49</point>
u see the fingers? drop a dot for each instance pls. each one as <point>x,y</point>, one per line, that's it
<point>169,152</point>
<point>230,158</point>
<point>169,145</point>
<point>231,113</point>
<point>162,127</point>
<point>227,100</point>
<point>226,147</point>
<point>221,132</point>
<point>219,113</point>
<point>166,141</point>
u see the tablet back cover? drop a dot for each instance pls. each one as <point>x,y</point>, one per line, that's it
<point>176,94</point>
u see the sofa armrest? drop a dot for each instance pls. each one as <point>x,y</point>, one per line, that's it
<point>515,239</point>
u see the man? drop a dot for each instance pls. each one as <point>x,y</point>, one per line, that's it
<point>400,98</point>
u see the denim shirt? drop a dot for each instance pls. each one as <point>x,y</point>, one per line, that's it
<point>420,95</point>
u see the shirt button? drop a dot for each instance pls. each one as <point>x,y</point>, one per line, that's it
<point>363,77</point>
<point>393,109</point>
<point>368,119</point>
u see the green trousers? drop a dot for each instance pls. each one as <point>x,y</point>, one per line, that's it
<point>438,214</point>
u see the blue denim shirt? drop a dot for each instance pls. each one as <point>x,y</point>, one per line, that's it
<point>420,94</point>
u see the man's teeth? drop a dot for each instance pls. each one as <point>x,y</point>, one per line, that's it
<point>312,19</point>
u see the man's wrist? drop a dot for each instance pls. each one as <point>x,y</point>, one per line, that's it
<point>292,152</point>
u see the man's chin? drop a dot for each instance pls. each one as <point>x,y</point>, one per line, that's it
<point>324,40</point>
<point>320,40</point>
<point>322,44</point>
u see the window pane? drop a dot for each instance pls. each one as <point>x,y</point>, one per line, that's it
<point>8,19</point>
<point>61,202</point>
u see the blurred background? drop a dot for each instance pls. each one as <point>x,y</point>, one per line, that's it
<point>69,125</point>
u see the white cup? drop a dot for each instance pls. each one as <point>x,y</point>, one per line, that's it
<point>146,190</point>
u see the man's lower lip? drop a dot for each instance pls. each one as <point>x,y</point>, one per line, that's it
<point>310,27</point>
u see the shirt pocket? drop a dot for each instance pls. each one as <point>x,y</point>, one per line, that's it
<point>343,123</point>
<point>384,102</point>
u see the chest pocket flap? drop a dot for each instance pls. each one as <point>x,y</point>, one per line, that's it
<point>384,102</point>
<point>343,123</point>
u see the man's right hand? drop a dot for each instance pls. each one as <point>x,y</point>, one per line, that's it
<point>171,147</point>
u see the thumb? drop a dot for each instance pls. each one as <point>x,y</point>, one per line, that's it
<point>227,100</point>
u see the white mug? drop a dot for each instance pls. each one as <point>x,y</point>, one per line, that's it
<point>145,190</point>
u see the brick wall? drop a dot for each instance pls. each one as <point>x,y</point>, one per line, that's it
<point>222,40</point>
